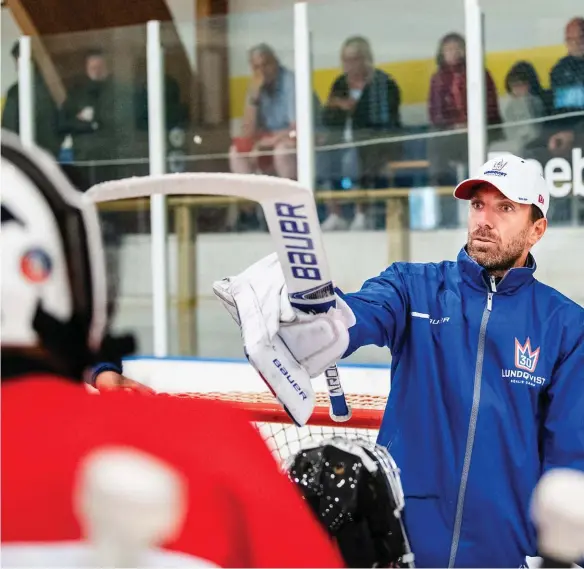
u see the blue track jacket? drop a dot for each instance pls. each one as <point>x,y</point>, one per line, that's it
<point>487,393</point>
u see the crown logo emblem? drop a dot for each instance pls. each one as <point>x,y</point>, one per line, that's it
<point>526,357</point>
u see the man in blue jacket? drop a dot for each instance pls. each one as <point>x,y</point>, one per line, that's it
<point>487,370</point>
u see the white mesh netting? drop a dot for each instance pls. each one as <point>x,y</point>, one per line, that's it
<point>286,440</point>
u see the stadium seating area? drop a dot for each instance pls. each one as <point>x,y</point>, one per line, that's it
<point>382,120</point>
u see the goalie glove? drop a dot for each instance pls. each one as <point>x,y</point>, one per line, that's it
<point>286,347</point>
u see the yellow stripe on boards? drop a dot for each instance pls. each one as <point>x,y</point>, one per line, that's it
<point>413,78</point>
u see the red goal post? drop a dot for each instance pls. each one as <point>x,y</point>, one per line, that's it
<point>236,382</point>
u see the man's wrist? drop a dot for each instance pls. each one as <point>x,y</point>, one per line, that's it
<point>100,368</point>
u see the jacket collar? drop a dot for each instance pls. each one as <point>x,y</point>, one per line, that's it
<point>478,278</point>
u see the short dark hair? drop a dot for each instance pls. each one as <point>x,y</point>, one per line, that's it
<point>535,213</point>
<point>95,52</point>
<point>524,72</point>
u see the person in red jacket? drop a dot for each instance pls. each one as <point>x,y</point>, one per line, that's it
<point>447,101</point>
<point>236,508</point>
<point>447,108</point>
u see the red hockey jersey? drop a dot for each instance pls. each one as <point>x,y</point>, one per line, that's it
<point>242,511</point>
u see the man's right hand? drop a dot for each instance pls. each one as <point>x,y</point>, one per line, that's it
<point>285,346</point>
<point>255,86</point>
<point>345,104</point>
<point>561,143</point>
<point>113,381</point>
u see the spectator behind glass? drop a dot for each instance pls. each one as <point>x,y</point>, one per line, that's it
<point>567,82</point>
<point>45,110</point>
<point>448,109</point>
<point>567,76</point>
<point>268,126</point>
<point>177,114</point>
<point>363,104</point>
<point>561,135</point>
<point>269,117</point>
<point>528,100</point>
<point>99,117</point>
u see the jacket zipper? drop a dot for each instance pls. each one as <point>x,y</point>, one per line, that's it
<point>472,426</point>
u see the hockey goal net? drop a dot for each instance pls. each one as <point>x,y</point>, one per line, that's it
<point>284,438</point>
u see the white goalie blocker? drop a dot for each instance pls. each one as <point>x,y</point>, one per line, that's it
<point>290,212</point>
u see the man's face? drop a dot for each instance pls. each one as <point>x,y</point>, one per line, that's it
<point>500,231</point>
<point>353,61</point>
<point>575,38</point>
<point>96,68</point>
<point>264,65</point>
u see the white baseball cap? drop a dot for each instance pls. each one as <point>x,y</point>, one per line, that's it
<point>517,179</point>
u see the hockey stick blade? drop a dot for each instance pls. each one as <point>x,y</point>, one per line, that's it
<point>290,213</point>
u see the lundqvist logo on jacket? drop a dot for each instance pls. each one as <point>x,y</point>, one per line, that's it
<point>525,363</point>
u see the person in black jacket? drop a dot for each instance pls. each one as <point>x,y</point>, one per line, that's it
<point>567,76</point>
<point>363,104</point>
<point>45,110</point>
<point>567,83</point>
<point>563,133</point>
<point>99,116</point>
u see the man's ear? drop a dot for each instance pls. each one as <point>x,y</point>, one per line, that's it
<point>538,229</point>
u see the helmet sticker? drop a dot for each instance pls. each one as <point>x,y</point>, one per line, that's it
<point>36,265</point>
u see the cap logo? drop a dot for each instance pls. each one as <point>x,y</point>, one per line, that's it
<point>540,199</point>
<point>497,168</point>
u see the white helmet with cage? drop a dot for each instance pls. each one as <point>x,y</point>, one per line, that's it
<point>54,281</point>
